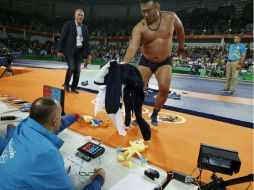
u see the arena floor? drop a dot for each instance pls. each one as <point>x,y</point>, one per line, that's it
<point>204,116</point>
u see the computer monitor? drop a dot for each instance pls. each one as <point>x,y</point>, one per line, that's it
<point>56,93</point>
<point>218,159</point>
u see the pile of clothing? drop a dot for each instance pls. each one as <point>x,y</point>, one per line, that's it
<point>121,83</point>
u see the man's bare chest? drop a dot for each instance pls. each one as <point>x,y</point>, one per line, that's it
<point>164,33</point>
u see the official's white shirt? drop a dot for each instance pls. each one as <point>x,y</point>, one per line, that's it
<point>79,35</point>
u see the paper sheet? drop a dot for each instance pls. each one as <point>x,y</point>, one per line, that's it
<point>134,182</point>
<point>77,165</point>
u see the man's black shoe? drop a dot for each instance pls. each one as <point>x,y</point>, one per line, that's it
<point>74,91</point>
<point>66,89</point>
<point>154,121</point>
<point>154,117</point>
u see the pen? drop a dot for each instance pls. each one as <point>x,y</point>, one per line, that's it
<point>69,169</point>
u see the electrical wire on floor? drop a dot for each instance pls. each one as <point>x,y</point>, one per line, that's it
<point>197,180</point>
<point>193,170</point>
<point>248,186</point>
<point>199,177</point>
<point>196,183</point>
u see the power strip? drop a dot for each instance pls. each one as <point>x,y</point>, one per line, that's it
<point>184,178</point>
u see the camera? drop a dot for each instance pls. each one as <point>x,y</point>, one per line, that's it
<point>7,61</point>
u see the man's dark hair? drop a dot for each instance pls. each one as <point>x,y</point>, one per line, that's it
<point>43,109</point>
<point>146,1</point>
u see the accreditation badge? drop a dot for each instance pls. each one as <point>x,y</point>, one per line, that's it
<point>79,41</point>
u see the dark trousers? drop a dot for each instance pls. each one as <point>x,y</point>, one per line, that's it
<point>74,64</point>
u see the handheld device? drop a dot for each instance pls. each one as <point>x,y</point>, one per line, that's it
<point>152,174</point>
<point>83,156</point>
<point>91,149</point>
<point>184,178</point>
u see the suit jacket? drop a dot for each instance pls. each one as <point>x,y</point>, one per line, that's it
<point>67,42</point>
<point>114,75</point>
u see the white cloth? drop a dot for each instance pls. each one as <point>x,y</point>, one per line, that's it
<point>117,119</point>
<point>99,78</point>
<point>100,99</point>
<point>118,122</point>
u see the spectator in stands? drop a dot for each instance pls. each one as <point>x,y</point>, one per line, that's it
<point>236,56</point>
<point>32,159</point>
<point>74,44</point>
<point>155,33</point>
<point>5,140</point>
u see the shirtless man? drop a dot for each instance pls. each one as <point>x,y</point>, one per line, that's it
<point>155,33</point>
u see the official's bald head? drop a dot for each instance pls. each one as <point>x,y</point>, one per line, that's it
<point>44,110</point>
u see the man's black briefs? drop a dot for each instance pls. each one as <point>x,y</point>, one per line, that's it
<point>154,66</point>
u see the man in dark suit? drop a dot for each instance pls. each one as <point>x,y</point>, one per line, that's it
<point>74,44</point>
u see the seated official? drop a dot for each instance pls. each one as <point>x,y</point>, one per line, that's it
<point>66,121</point>
<point>32,159</point>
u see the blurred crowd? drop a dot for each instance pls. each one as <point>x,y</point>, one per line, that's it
<point>28,47</point>
<point>198,21</point>
<point>213,59</point>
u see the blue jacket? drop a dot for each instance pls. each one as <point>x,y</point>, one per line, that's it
<point>32,160</point>
<point>5,140</point>
<point>66,121</point>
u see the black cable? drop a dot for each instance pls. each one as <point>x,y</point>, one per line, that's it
<point>170,173</point>
<point>100,142</point>
<point>200,173</point>
<point>193,171</point>
<point>200,177</point>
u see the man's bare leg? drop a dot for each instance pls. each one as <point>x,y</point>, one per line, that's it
<point>163,76</point>
<point>146,74</point>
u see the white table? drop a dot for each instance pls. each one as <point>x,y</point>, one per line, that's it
<point>177,185</point>
<point>115,172</point>
<point>10,110</point>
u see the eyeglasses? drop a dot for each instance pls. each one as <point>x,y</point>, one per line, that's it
<point>86,173</point>
<point>236,38</point>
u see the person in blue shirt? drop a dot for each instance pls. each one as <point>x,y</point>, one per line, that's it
<point>32,159</point>
<point>66,121</point>
<point>236,57</point>
<point>5,140</point>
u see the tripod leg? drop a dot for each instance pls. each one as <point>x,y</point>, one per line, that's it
<point>11,71</point>
<point>3,73</point>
